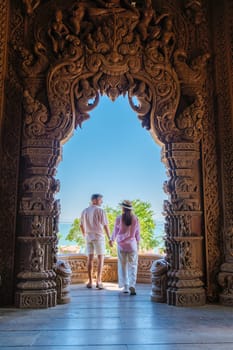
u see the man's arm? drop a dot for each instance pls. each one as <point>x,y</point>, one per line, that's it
<point>106,229</point>
<point>82,230</point>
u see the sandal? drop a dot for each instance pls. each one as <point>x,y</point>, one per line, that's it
<point>99,286</point>
<point>132,291</point>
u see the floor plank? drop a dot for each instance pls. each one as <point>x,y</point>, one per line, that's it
<point>111,320</point>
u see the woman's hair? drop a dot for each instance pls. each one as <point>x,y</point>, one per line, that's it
<point>127,217</point>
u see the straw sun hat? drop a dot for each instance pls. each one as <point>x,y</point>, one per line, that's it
<point>126,204</point>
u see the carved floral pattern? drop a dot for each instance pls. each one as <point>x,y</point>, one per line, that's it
<point>224,74</point>
<point>78,264</point>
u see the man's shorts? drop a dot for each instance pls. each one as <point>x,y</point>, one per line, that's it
<point>96,246</point>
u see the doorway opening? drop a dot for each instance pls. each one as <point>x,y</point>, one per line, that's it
<point>112,154</point>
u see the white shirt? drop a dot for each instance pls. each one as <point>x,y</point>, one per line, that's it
<point>93,219</point>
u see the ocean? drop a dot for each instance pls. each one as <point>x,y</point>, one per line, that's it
<point>64,228</point>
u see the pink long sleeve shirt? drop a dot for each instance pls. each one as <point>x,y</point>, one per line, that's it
<point>126,237</point>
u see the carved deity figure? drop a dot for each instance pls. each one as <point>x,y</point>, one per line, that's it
<point>75,20</point>
<point>148,25</point>
<point>144,98</point>
<point>37,226</point>
<point>36,257</point>
<point>168,38</point>
<point>36,115</point>
<point>58,32</point>
<point>185,255</point>
<point>192,76</point>
<point>86,98</point>
<point>147,16</point>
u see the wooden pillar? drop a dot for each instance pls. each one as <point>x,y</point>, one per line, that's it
<point>37,229</point>
<point>183,227</point>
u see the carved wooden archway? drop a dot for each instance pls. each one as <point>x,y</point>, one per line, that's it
<point>85,49</point>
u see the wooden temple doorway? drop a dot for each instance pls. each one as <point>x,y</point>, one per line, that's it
<point>73,52</point>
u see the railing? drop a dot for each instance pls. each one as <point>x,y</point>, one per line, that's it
<point>78,264</point>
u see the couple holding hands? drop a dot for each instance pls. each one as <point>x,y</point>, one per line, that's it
<point>126,233</point>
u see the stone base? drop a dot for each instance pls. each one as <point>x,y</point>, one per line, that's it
<point>157,299</point>
<point>226,299</point>
<point>40,299</point>
<point>184,297</point>
<point>64,299</point>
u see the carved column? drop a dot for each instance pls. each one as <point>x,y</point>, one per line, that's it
<point>183,228</point>
<point>37,229</point>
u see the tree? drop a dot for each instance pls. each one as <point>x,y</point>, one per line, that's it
<point>75,234</point>
<point>144,213</point>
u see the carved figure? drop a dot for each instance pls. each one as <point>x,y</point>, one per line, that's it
<point>36,257</point>
<point>58,32</point>
<point>191,76</point>
<point>168,38</point>
<point>185,255</point>
<point>185,184</point>
<point>147,16</point>
<point>63,279</point>
<point>41,63</point>
<point>144,97</point>
<point>148,25</point>
<point>77,16</point>
<point>87,99</point>
<point>36,115</point>
<point>30,6</point>
<point>37,226</point>
<point>159,267</point>
<point>195,7</point>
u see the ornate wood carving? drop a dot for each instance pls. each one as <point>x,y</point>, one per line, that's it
<point>10,121</point>
<point>210,173</point>
<point>78,264</point>
<point>224,73</point>
<point>63,279</point>
<point>73,53</point>
<point>183,226</point>
<point>159,281</point>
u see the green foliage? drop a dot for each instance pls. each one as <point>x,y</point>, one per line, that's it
<point>147,226</point>
<point>75,234</point>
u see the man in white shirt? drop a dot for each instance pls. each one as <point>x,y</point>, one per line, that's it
<point>93,223</point>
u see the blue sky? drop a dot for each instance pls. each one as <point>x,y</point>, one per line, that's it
<point>113,155</point>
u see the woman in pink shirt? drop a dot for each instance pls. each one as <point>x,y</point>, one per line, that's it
<point>127,235</point>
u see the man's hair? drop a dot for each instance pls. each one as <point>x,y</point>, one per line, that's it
<point>96,196</point>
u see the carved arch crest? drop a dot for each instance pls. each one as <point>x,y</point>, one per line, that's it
<point>113,48</point>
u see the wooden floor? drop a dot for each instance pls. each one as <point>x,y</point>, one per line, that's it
<point>110,320</point>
